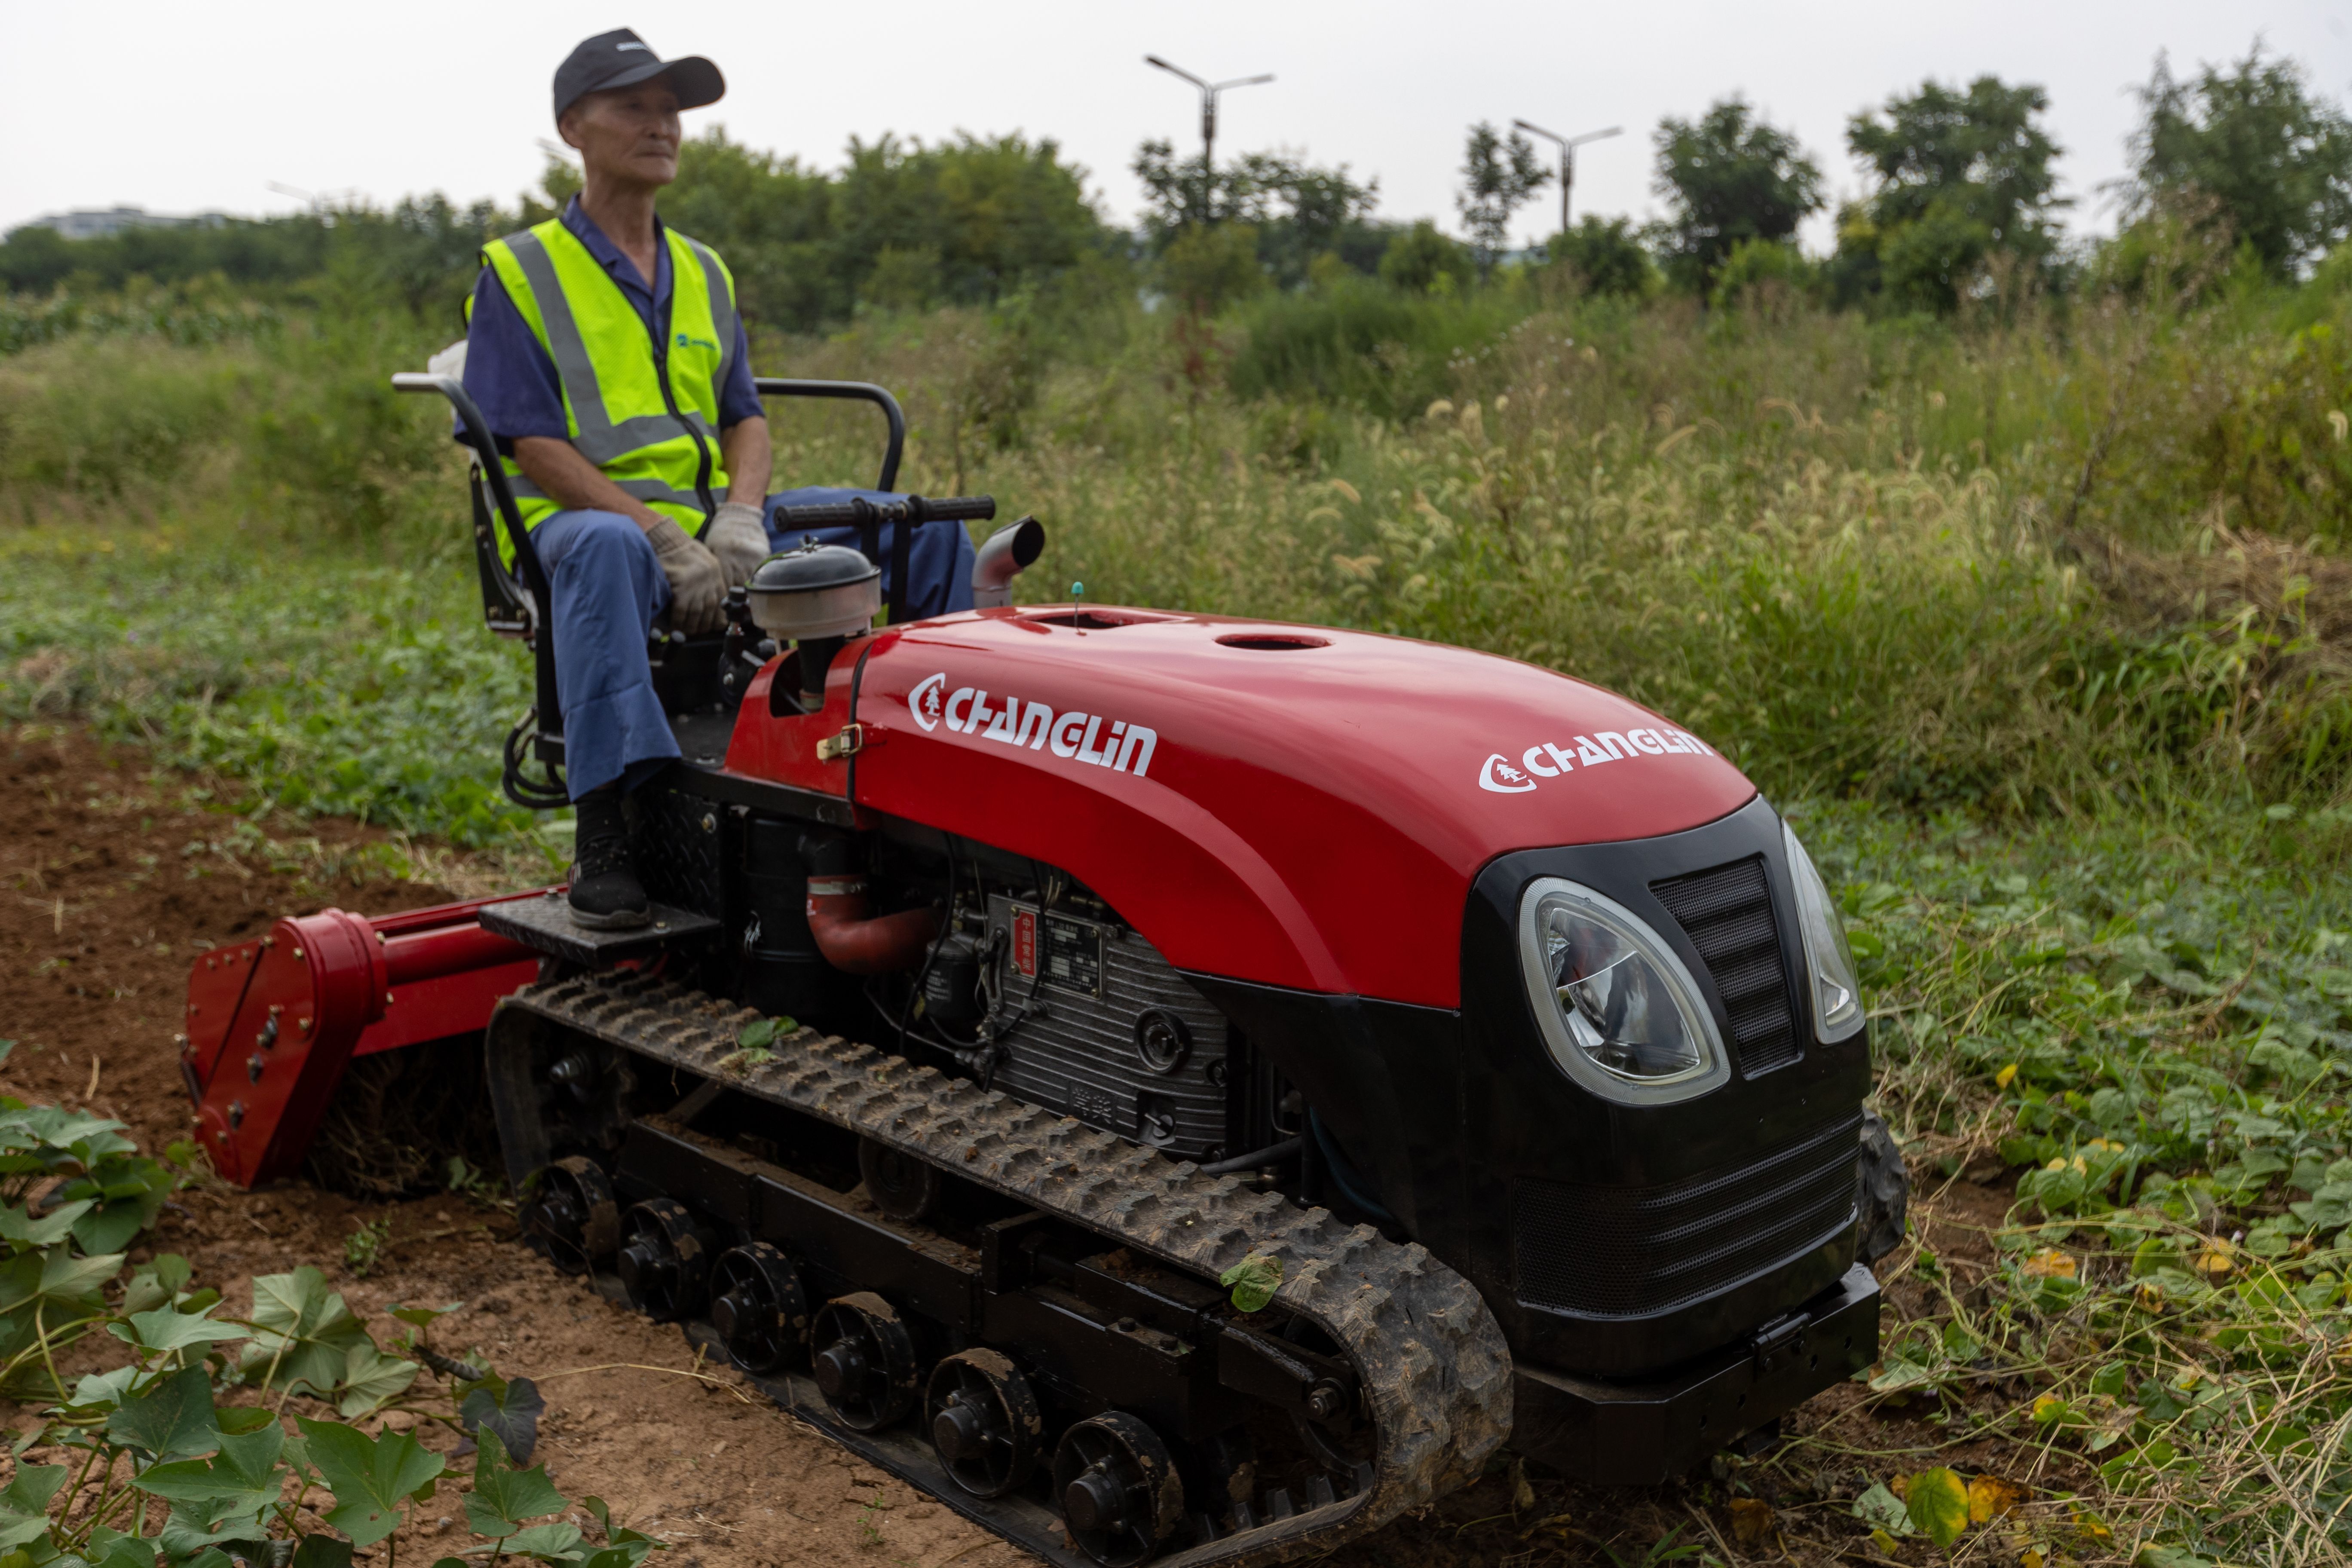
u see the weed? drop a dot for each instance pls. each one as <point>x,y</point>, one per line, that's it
<point>364,1246</point>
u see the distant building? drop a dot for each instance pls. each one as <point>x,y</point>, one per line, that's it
<point>95,223</point>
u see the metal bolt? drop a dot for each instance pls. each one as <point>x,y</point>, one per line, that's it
<point>253,1065</point>
<point>1325,1400</point>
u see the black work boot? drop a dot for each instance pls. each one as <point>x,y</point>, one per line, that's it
<point>605,892</point>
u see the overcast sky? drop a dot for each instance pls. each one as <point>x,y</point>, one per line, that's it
<point>181,108</point>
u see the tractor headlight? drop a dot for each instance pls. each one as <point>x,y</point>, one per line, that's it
<point>1619,1011</point>
<point>1829,961</point>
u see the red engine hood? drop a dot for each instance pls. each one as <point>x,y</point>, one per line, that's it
<point>1307,812</point>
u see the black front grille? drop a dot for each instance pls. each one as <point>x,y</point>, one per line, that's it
<point>1728,913</point>
<point>1622,1252</point>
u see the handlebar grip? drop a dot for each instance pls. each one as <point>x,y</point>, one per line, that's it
<point>915,509</point>
<point>828,514</point>
<point>961,509</point>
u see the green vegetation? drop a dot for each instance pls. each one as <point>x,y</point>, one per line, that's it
<point>177,1455</point>
<point>2018,574</point>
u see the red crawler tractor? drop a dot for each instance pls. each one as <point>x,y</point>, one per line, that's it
<point>1500,1022</point>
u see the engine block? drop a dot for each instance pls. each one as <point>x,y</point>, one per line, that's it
<point>1098,1026</point>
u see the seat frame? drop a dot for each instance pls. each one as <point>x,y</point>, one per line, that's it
<point>686,668</point>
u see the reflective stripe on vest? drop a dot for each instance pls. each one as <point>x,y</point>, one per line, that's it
<point>614,376</point>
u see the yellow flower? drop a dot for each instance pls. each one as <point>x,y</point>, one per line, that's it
<point>2005,1077</point>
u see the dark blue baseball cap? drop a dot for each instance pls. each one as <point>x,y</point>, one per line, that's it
<point>621,58</point>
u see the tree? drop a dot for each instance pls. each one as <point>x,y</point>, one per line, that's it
<point>2276,161</point>
<point>771,217</point>
<point>997,213</point>
<point>1605,255</point>
<point>1728,176</point>
<point>1299,210</point>
<point>1498,176</point>
<point>1422,261</point>
<point>1961,176</point>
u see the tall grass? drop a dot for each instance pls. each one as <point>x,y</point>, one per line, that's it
<point>1909,562</point>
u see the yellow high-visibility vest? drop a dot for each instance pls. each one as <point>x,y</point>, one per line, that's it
<point>643,411</point>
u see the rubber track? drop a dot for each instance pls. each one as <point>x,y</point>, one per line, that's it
<point>1432,1362</point>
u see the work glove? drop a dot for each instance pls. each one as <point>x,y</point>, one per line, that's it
<point>697,581</point>
<point>739,537</point>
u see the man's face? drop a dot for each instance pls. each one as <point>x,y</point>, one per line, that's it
<point>629,134</point>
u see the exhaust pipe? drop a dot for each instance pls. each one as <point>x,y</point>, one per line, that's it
<point>1009,551</point>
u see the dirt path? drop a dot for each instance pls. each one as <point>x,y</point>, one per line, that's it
<point>112,877</point>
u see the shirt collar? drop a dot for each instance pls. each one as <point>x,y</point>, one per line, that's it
<point>609,256</point>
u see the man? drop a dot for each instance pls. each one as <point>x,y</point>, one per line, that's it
<point>607,354</point>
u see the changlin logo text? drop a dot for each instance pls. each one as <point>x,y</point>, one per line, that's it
<point>1548,760</point>
<point>1125,747</point>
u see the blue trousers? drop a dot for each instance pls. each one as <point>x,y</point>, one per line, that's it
<point>608,589</point>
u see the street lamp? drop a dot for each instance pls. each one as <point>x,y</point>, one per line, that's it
<point>1208,91</point>
<point>1567,146</point>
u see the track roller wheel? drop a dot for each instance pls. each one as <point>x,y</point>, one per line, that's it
<point>665,1259</point>
<point>864,1361</point>
<point>1118,1490</point>
<point>901,1185</point>
<point>983,1422</point>
<point>572,1214</point>
<point>758,1307</point>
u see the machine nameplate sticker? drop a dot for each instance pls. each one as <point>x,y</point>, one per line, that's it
<point>1551,759</point>
<point>1073,954</point>
<point>1126,746</point>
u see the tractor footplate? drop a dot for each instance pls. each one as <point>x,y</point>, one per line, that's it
<point>1417,1351</point>
<point>545,923</point>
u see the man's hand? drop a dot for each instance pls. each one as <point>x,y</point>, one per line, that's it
<point>697,584</point>
<point>739,537</point>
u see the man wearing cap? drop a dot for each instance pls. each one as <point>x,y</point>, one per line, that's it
<point>605,351</point>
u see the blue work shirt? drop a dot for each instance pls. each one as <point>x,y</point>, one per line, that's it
<point>514,381</point>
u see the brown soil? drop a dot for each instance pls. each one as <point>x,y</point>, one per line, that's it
<point>113,876</point>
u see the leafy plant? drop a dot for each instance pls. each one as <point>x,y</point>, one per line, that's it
<point>227,1480</point>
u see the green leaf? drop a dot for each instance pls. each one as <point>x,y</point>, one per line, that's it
<point>504,1497</point>
<point>24,1506</point>
<point>171,1418</point>
<point>623,1547</point>
<point>168,1328</point>
<point>1938,1505</point>
<point>511,1410</point>
<point>322,1552</point>
<point>1252,1281</point>
<point>762,1033</point>
<point>370,1479</point>
<point>113,1549</point>
<point>371,1377</point>
<point>421,1316</point>
<point>157,1283</point>
<point>547,1543</point>
<point>66,1285</point>
<point>19,1228</point>
<point>239,1484</point>
<point>306,1330</point>
<point>1883,1509</point>
<point>187,1532</point>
